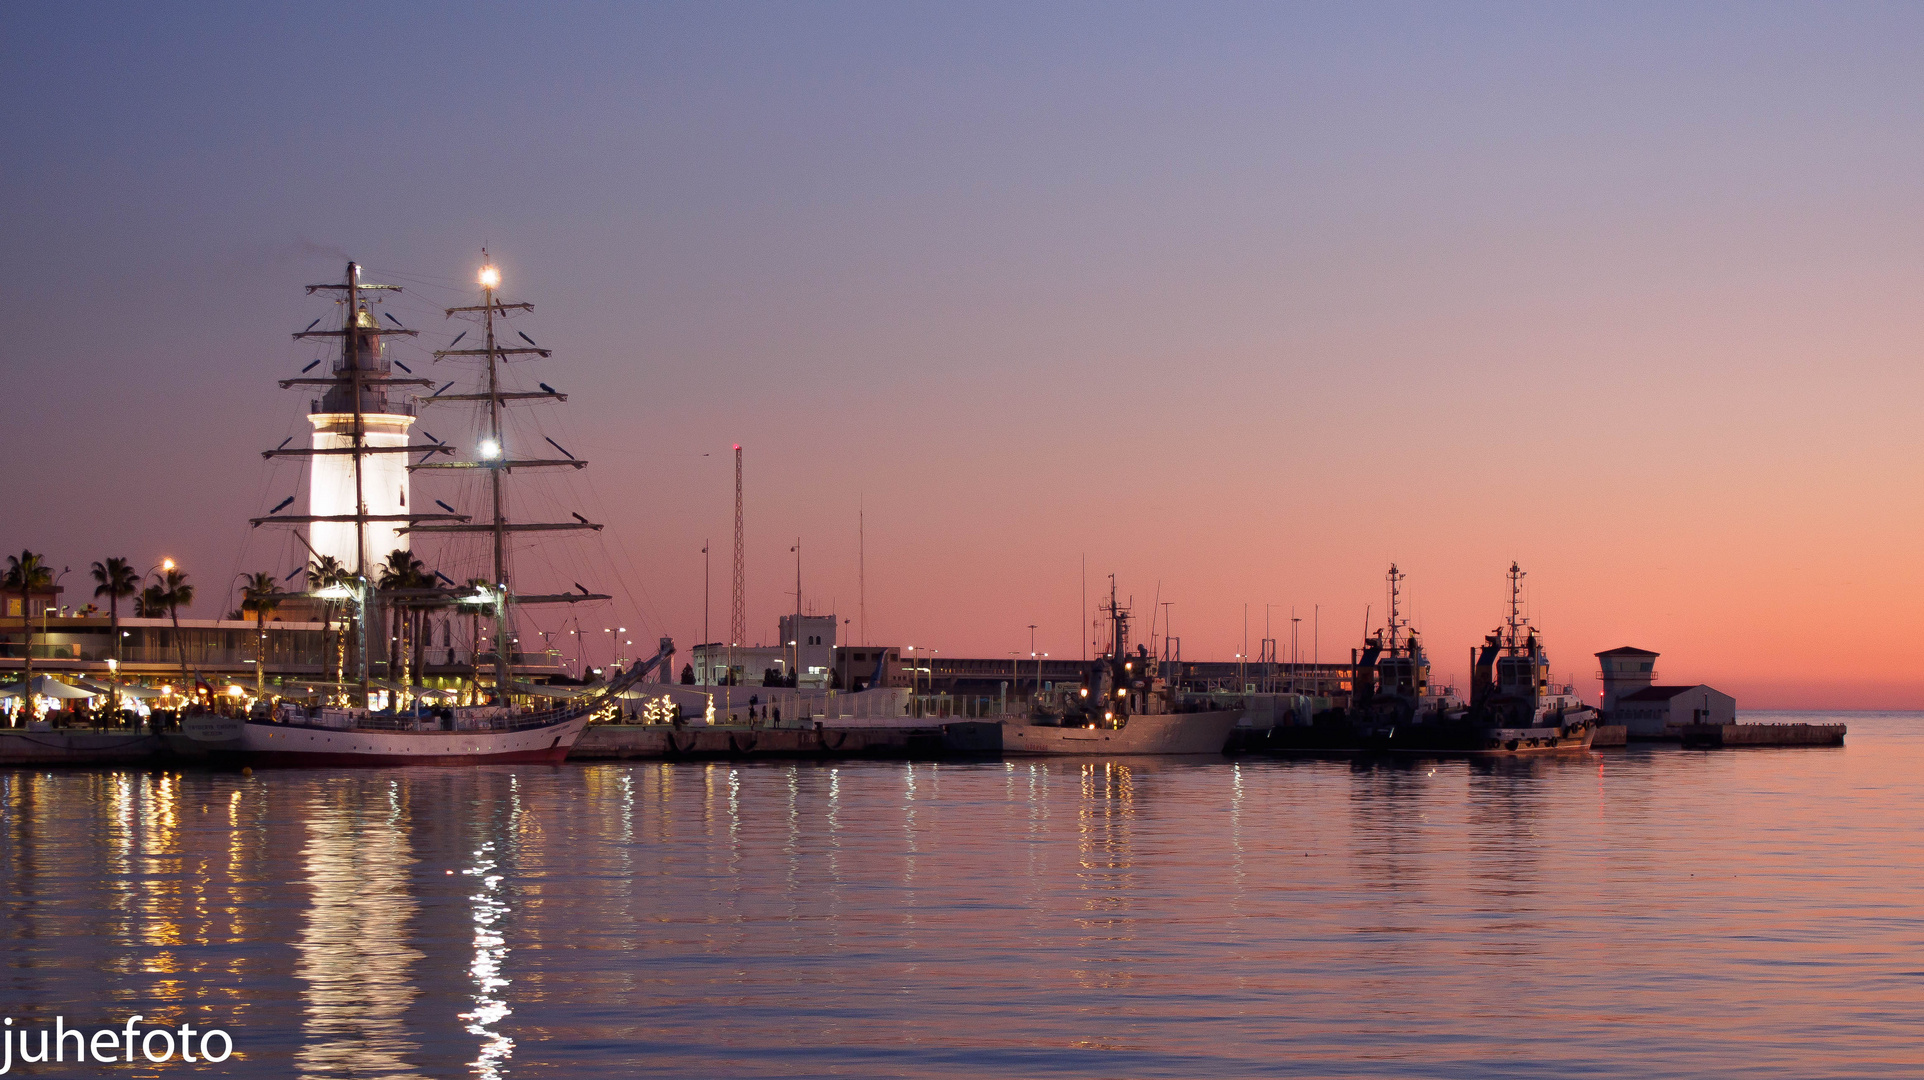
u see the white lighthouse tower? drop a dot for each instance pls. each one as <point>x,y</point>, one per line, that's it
<point>365,491</point>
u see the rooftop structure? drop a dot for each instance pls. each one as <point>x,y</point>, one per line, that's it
<point>1624,670</point>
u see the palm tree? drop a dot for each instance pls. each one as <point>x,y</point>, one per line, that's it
<point>151,603</point>
<point>474,636</point>
<point>28,573</point>
<point>257,596</point>
<point>401,571</point>
<point>114,579</point>
<point>423,636</point>
<point>325,572</point>
<point>175,593</point>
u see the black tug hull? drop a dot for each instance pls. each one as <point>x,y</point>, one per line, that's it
<point>1332,736</point>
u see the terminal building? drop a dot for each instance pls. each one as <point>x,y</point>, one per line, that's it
<point>222,651</point>
<point>808,650</point>
<point>804,657</point>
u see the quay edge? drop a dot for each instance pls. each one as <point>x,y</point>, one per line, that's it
<point>1727,736</point>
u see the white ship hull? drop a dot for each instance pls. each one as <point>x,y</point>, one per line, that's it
<point>22,747</point>
<point>277,744</point>
<point>1167,733</point>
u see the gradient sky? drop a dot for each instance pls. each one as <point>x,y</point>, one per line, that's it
<point>1242,302</point>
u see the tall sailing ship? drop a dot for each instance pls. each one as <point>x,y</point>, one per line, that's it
<point>359,513</point>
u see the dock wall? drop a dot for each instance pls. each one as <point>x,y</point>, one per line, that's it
<point>1734,735</point>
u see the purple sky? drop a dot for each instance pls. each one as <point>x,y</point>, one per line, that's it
<point>1247,301</point>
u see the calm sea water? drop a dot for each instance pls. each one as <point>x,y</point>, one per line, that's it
<point>1646,913</point>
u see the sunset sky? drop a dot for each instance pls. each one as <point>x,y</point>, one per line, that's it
<point>1242,303</point>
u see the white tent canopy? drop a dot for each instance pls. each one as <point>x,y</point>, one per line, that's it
<point>46,686</point>
<point>124,690</point>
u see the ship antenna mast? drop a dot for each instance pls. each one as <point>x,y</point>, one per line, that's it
<point>1516,621</point>
<point>1396,621</point>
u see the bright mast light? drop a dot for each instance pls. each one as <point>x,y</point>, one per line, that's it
<point>490,277</point>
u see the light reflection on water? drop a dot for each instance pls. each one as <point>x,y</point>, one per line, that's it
<point>490,954</point>
<point>354,970</point>
<point>1649,913</point>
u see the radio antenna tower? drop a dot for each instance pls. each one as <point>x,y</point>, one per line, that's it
<point>738,621</point>
<point>861,565</point>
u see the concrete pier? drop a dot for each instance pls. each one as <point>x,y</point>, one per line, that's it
<point>1733,735</point>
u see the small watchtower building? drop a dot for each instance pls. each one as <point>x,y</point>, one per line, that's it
<point>1625,671</point>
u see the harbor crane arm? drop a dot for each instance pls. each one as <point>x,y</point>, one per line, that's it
<point>640,671</point>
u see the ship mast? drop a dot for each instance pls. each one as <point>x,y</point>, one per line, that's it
<point>493,455</point>
<point>490,277</point>
<point>357,381</point>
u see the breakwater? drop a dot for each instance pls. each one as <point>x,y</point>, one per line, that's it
<point>1714,736</point>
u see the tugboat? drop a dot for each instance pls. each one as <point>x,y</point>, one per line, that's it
<point>1513,709</point>
<point>1123,706</point>
<point>359,508</point>
<point>1399,690</point>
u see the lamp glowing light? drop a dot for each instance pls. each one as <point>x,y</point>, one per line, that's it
<point>166,564</point>
<point>490,449</point>
<point>490,277</point>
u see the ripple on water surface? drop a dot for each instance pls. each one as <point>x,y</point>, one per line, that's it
<point>1644,913</point>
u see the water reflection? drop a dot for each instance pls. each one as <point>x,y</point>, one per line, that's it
<point>1714,915</point>
<point>1105,819</point>
<point>487,970</point>
<point>355,960</point>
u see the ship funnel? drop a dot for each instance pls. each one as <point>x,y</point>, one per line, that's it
<point>1483,667</point>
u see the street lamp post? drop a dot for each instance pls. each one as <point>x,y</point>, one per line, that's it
<point>929,665</point>
<point>1038,667</point>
